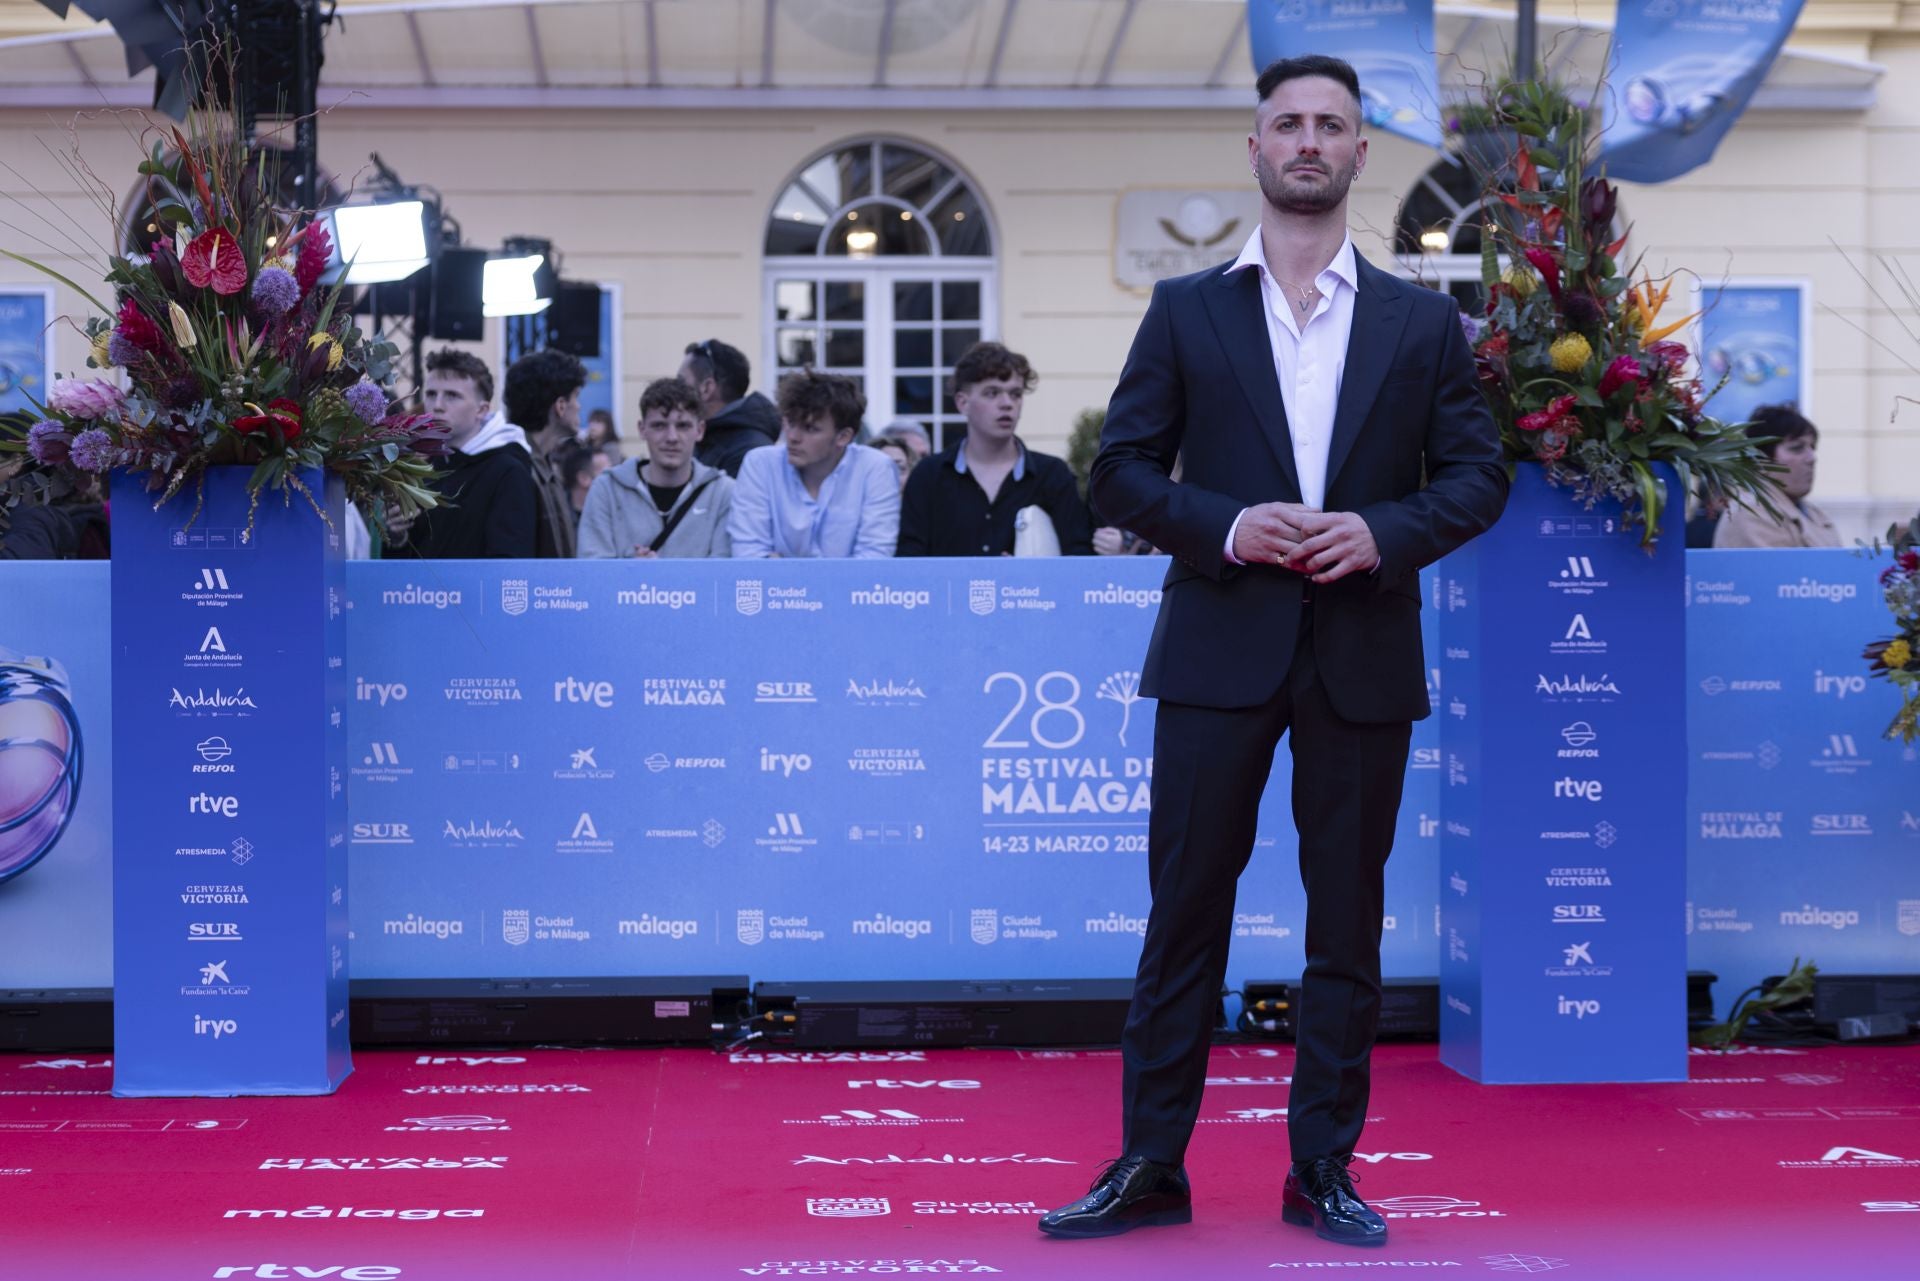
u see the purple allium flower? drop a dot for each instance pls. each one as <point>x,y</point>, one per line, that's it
<point>366,399</point>
<point>1472,328</point>
<point>93,450</point>
<point>84,398</point>
<point>122,352</point>
<point>275,290</point>
<point>48,442</point>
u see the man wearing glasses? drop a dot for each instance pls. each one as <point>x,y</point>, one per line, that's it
<point>671,505</point>
<point>737,419</point>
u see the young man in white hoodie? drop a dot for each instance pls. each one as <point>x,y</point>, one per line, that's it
<point>488,475</point>
<point>670,505</point>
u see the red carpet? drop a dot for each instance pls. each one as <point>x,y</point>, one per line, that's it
<point>629,1164</point>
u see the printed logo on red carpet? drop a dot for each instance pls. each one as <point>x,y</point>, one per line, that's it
<point>483,1060</point>
<point>848,1207</point>
<point>62,1064</point>
<point>1854,1159</point>
<point>383,1163</point>
<point>352,1212</point>
<point>864,1267</point>
<point>435,1124</point>
<point>1871,1207</point>
<point>497,1089</point>
<point>1433,1207</point>
<point>979,1207</point>
<point>1018,1158</point>
<point>857,1118</point>
<point>1521,1263</point>
<point>887,1083</point>
<point>816,1056</point>
<point>338,1271</point>
<point>1249,1080</point>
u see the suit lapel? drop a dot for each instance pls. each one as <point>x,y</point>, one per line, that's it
<point>1379,316</point>
<point>1234,306</point>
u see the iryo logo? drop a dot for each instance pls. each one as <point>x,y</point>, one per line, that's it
<point>1579,1009</point>
<point>216,1028</point>
<point>1838,686</point>
<point>784,764</point>
<point>366,691</point>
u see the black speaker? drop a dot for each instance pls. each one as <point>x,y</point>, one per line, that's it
<point>573,321</point>
<point>459,292</point>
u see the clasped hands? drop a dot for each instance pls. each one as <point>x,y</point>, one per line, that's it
<point>1323,545</point>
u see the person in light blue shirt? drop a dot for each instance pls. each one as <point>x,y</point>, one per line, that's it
<point>816,493</point>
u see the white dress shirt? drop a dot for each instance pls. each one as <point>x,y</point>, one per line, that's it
<point>1309,360</point>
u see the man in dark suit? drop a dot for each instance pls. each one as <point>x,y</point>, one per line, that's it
<point>1333,440</point>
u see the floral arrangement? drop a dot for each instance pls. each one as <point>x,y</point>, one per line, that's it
<point>230,351</point>
<point>1582,372</point>
<point>1513,102</point>
<point>1897,658</point>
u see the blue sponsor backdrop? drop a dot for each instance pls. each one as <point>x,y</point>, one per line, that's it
<point>1683,72</point>
<point>1564,736</point>
<point>229,701</point>
<point>1773,673</point>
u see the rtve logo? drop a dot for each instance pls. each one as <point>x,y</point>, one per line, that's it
<point>1581,789</point>
<point>344,1272</point>
<point>205,803</point>
<point>571,690</point>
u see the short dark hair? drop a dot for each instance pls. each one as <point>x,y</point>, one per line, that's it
<point>574,458</point>
<point>1281,70</point>
<point>536,381</point>
<point>463,364</point>
<point>986,360</point>
<point>727,366</point>
<point>805,395</point>
<point>600,416</point>
<point>1783,423</point>
<point>667,395</point>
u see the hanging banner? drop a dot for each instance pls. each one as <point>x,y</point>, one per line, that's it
<point>1683,72</point>
<point>1755,335</point>
<point>1389,43</point>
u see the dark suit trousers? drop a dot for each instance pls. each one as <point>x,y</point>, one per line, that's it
<point>1209,768</point>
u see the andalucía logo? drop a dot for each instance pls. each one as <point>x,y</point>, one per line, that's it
<point>1854,1159</point>
<point>435,1124</point>
<point>848,1207</point>
<point>201,702</point>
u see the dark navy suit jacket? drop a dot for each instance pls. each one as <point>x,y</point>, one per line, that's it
<point>1414,452</point>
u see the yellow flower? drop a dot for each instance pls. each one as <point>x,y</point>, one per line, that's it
<point>1897,654</point>
<point>335,352</point>
<point>102,355</point>
<point>1520,280</point>
<point>1570,353</point>
<point>182,327</point>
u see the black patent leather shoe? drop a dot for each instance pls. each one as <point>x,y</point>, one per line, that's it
<point>1131,1192</point>
<point>1319,1195</point>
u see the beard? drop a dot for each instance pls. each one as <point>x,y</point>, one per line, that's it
<point>1293,197</point>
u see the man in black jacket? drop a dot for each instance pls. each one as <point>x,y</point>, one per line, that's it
<point>486,481</point>
<point>737,420</point>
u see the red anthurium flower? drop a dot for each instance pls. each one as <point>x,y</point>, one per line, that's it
<point>213,259</point>
<point>280,413</point>
<point>1623,371</point>
<point>1549,269</point>
<point>1545,418</point>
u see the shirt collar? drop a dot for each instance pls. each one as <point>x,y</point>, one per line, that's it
<point>1019,459</point>
<point>1254,254</point>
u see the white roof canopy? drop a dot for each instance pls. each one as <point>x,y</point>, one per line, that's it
<point>944,54</point>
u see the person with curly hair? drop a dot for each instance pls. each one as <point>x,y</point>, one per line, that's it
<point>817,493</point>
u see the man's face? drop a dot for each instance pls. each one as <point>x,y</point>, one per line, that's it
<point>705,388</point>
<point>1306,146</point>
<point>815,440</point>
<point>992,408</point>
<point>1798,457</point>
<point>671,436</point>
<point>455,404</point>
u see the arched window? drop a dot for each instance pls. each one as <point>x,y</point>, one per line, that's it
<point>880,266</point>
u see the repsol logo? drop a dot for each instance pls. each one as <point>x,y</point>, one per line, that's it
<point>676,598</point>
<point>882,924</point>
<point>897,597</point>
<point>1813,589</point>
<point>1114,594</point>
<point>415,595</point>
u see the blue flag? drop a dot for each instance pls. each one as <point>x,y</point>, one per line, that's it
<point>1389,43</point>
<point>1683,72</point>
